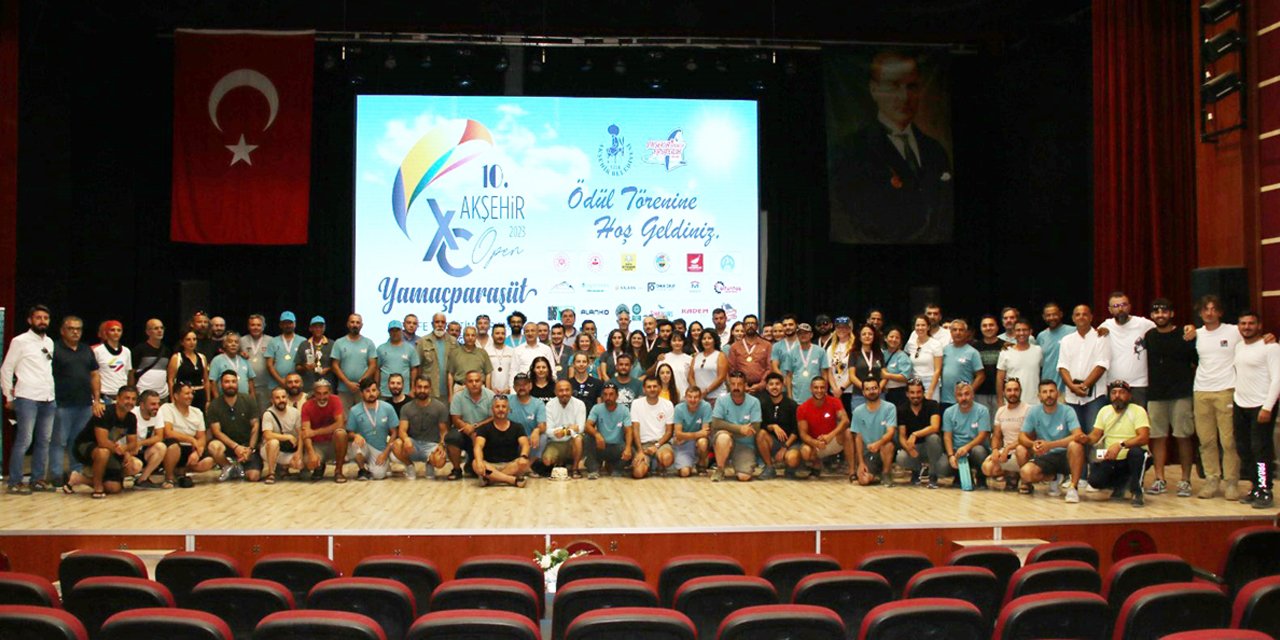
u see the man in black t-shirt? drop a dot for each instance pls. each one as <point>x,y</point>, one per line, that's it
<point>501,448</point>
<point>920,435</point>
<point>98,447</point>
<point>1171,372</point>
<point>778,439</point>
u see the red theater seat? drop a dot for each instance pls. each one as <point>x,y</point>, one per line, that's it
<point>169,624</point>
<point>486,593</point>
<point>419,574</point>
<point>1154,612</point>
<point>681,569</point>
<point>93,600</point>
<point>519,568</point>
<point>318,625</point>
<point>1252,553</point>
<point>1146,570</point>
<point>974,585</point>
<point>1053,575</point>
<point>1057,614</point>
<point>1257,606</point>
<point>298,572</point>
<point>1218,634</point>
<point>783,571</point>
<point>793,621</point>
<point>1002,561</point>
<point>630,623</point>
<point>90,563</point>
<point>896,566</point>
<point>181,571</point>
<point>473,624</point>
<point>1078,551</point>
<point>241,602</point>
<point>924,618</point>
<point>708,601</point>
<point>590,594</point>
<point>597,566</point>
<point>28,589</point>
<point>851,594</point>
<point>39,623</point>
<point>387,602</point>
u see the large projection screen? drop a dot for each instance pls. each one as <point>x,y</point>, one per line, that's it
<point>493,204</point>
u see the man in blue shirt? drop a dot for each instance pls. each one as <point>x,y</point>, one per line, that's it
<point>1051,432</point>
<point>1049,340</point>
<point>372,421</point>
<point>607,425</point>
<point>231,360</point>
<point>874,424</point>
<point>966,428</point>
<point>353,358</point>
<point>960,363</point>
<point>734,421</point>
<point>692,432</point>
<point>397,356</point>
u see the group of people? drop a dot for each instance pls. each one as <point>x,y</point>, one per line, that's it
<point>1082,406</point>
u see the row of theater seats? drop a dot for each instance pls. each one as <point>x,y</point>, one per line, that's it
<point>1059,593</point>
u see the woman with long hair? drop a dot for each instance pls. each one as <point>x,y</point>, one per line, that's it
<point>582,343</point>
<point>544,379</point>
<point>839,353</point>
<point>897,367</point>
<point>639,353</point>
<point>667,380</point>
<point>926,357</point>
<point>680,363</point>
<point>736,332</point>
<point>710,368</point>
<point>189,366</point>
<point>607,364</point>
<point>865,363</point>
<point>695,334</point>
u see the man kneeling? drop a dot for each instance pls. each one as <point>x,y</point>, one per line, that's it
<point>1125,431</point>
<point>282,443</point>
<point>96,447</point>
<point>501,451</point>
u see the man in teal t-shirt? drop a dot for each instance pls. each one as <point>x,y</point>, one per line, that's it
<point>606,432</point>
<point>372,421</point>
<point>960,363</point>
<point>692,432</point>
<point>396,356</point>
<point>1049,340</point>
<point>353,356</point>
<point>966,429</point>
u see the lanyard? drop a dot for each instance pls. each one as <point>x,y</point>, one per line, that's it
<point>372,424</point>
<point>805,357</point>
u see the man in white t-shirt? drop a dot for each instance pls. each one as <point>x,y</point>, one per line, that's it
<point>1021,361</point>
<point>115,361</point>
<point>1213,396</point>
<point>1007,456</point>
<point>151,447</point>
<point>184,424</point>
<point>1257,367</point>
<point>503,359</point>
<point>524,354</point>
<point>648,441</point>
<point>566,422</point>
<point>1082,362</point>
<point>282,442</point>
<point>1127,349</point>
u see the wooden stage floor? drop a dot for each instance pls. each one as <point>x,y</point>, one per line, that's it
<point>650,520</point>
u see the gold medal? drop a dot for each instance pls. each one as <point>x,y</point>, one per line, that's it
<point>749,358</point>
<point>287,358</point>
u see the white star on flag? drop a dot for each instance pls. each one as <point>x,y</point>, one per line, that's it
<point>241,151</point>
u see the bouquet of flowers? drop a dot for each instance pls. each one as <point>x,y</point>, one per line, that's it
<point>550,561</point>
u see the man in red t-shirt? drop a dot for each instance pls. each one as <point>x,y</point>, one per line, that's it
<point>824,428</point>
<point>324,425</point>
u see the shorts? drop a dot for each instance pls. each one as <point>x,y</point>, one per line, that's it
<point>1010,464</point>
<point>1176,415</point>
<point>422,450</point>
<point>327,452</point>
<point>686,454</point>
<point>560,451</point>
<point>1052,463</point>
<point>370,455</point>
<point>284,458</point>
<point>743,457</point>
<point>653,459</point>
<point>831,449</point>
<point>254,463</point>
<point>115,464</point>
<point>873,462</point>
<point>184,451</point>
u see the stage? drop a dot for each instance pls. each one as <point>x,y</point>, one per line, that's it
<point>649,520</point>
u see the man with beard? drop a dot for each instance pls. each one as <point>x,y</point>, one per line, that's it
<point>483,327</point>
<point>282,442</point>
<point>433,357</point>
<point>566,422</point>
<point>779,439</point>
<point>966,428</point>
<point>785,346</point>
<point>629,387</point>
<point>502,359</point>
<point>1052,435</point>
<point>1127,349</point>
<point>371,424</point>
<point>231,360</point>
<point>469,356</point>
<point>26,380</point>
<point>152,448</point>
<point>98,447</point>
<point>734,423</point>
<point>1049,340</point>
<point>199,323</point>
<point>515,322</point>
<point>920,435</point>
<point>823,328</point>
<point>324,422</point>
<point>871,431</point>
<point>720,322</point>
<point>1171,371</point>
<point>1007,456</point>
<point>354,358</point>
<point>607,425</point>
<point>234,429</point>
<point>314,357</point>
<point>395,387</point>
<point>1124,430</point>
<point>282,351</point>
<point>396,356</point>
<point>423,426</point>
<point>751,355</point>
<point>1257,366</point>
<point>293,391</point>
<point>217,332</point>
<point>253,346</point>
<point>531,413</point>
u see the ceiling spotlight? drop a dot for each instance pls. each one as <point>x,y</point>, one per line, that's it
<point>502,64</point>
<point>390,62</point>
<point>656,55</point>
<point>760,57</point>
<point>758,85</point>
<point>655,84</point>
<point>789,68</point>
<point>464,82</point>
<point>425,62</point>
<point>620,67</point>
<point>464,52</point>
<point>691,65</point>
<point>586,66</point>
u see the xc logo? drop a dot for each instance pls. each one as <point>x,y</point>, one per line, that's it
<point>446,238</point>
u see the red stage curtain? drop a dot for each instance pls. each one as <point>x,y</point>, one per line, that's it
<point>1144,152</point>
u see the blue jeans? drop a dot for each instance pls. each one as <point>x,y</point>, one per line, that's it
<point>1088,413</point>
<point>66,427</point>
<point>35,423</point>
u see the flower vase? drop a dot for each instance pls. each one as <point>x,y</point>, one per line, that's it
<point>550,577</point>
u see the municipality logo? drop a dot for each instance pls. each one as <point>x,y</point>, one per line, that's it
<point>662,262</point>
<point>615,156</point>
<point>435,154</point>
<point>669,152</point>
<point>727,264</point>
<point>628,262</point>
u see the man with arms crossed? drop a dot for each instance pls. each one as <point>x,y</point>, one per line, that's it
<point>1052,434</point>
<point>872,428</point>
<point>734,423</point>
<point>652,424</point>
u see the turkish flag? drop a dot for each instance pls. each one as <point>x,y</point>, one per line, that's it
<point>242,137</point>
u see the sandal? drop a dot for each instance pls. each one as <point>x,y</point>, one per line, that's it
<point>68,489</point>
<point>270,479</point>
<point>98,495</point>
<point>167,484</point>
<point>520,482</point>
<point>340,478</point>
<point>41,486</point>
<point>145,483</point>
<point>576,475</point>
<point>456,474</point>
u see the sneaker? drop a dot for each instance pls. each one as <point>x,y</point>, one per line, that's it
<point>1232,492</point>
<point>1138,501</point>
<point>768,474</point>
<point>185,482</point>
<point>1073,496</point>
<point>1264,500</point>
<point>1062,481</point>
<point>802,473</point>
<point>1209,489</point>
<point>411,471</point>
<point>717,475</point>
<point>933,482</point>
<point>1055,489</point>
<point>226,473</point>
<point>1011,483</point>
<point>1119,494</point>
<point>1088,488</point>
<point>1184,489</point>
<point>1158,487</point>
<point>924,473</point>
<point>886,479</point>
<point>1248,498</point>
<point>364,474</point>
<point>593,475</point>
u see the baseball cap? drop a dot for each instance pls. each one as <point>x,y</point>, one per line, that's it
<point>520,377</point>
<point>317,320</point>
<point>843,320</point>
<point>822,319</point>
<point>395,324</point>
<point>1118,384</point>
<point>805,326</point>
<point>288,316</point>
